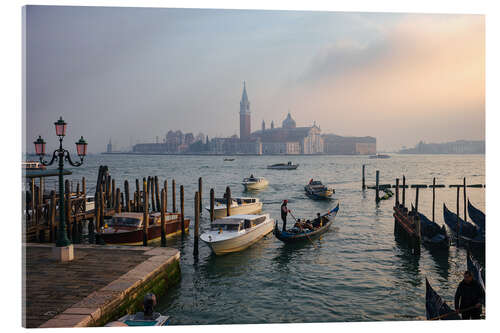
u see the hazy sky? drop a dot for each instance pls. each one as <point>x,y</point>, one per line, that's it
<point>131,74</point>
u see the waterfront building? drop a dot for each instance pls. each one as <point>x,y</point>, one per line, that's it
<point>290,139</point>
<point>349,145</point>
<point>456,147</point>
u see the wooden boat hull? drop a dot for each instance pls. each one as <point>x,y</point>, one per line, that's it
<point>242,242</point>
<point>432,235</point>
<point>288,237</point>
<point>470,235</point>
<point>135,237</point>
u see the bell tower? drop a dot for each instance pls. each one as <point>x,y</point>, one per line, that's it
<point>245,129</point>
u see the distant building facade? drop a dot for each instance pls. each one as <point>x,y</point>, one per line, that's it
<point>456,147</point>
<point>289,139</point>
<point>347,145</point>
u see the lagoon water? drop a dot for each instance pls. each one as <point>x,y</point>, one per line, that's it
<point>357,272</point>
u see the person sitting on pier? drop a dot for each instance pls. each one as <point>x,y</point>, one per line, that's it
<point>149,304</point>
<point>468,297</point>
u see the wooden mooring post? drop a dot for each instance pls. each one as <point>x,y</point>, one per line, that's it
<point>52,216</point>
<point>145,223</point>
<point>181,189</point>
<point>163,210</point>
<point>200,196</point>
<point>228,201</point>
<point>363,184</point>
<point>157,193</point>
<point>174,209</point>
<point>165,187</point>
<point>465,201</point>
<point>127,196</point>
<point>404,191</point>
<point>196,222</point>
<point>137,199</point>
<point>458,215</point>
<point>397,192</point>
<point>212,204</point>
<point>433,199</point>
<point>377,198</point>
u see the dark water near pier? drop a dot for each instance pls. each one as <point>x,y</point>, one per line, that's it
<point>358,272</point>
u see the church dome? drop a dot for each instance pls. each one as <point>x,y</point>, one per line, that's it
<point>289,122</point>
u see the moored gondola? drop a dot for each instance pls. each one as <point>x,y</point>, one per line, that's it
<point>469,235</point>
<point>435,307</point>
<point>476,215</point>
<point>297,234</point>
<point>432,234</point>
<point>476,270</point>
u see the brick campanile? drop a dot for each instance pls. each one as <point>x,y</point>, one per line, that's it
<point>245,129</point>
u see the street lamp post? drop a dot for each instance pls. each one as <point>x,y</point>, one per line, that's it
<point>61,154</point>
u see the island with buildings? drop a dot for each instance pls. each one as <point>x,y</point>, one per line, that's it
<point>455,147</point>
<point>289,139</point>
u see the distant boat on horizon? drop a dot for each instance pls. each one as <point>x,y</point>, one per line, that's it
<point>380,156</point>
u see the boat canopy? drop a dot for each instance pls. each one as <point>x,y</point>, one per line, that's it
<point>126,221</point>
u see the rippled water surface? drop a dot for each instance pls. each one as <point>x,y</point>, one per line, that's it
<point>356,272</point>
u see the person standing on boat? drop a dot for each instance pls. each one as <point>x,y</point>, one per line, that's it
<point>468,297</point>
<point>284,213</point>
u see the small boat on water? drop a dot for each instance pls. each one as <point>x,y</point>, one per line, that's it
<point>435,307</point>
<point>32,165</point>
<point>380,156</point>
<point>316,190</point>
<point>470,235</point>
<point>127,228</point>
<point>237,232</point>
<point>146,318</point>
<point>476,216</point>
<point>283,166</point>
<point>432,234</point>
<point>238,206</point>
<point>254,183</point>
<point>299,233</point>
<point>229,159</point>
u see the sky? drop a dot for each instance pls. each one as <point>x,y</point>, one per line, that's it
<point>131,74</point>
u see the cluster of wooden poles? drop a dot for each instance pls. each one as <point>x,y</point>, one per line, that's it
<point>42,212</point>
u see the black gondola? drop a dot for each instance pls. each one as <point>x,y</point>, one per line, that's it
<point>470,235</point>
<point>476,270</point>
<point>435,307</point>
<point>293,235</point>
<point>476,216</point>
<point>432,234</point>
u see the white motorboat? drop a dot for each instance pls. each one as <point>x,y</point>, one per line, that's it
<point>237,232</point>
<point>238,206</point>
<point>254,183</point>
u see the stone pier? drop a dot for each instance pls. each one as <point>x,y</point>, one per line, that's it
<point>101,284</point>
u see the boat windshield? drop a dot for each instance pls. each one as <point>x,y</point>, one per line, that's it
<point>125,221</point>
<point>225,227</point>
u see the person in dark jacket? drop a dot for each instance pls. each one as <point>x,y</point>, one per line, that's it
<point>468,297</point>
<point>317,221</point>
<point>284,213</point>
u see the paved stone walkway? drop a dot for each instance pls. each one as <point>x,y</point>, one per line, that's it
<point>51,287</point>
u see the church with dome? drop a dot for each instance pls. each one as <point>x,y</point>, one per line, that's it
<point>289,139</point>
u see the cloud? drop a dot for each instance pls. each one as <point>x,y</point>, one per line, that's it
<point>423,69</point>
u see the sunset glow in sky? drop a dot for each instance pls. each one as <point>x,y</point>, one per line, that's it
<point>131,74</point>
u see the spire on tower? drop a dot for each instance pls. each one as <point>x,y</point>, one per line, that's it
<point>244,97</point>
